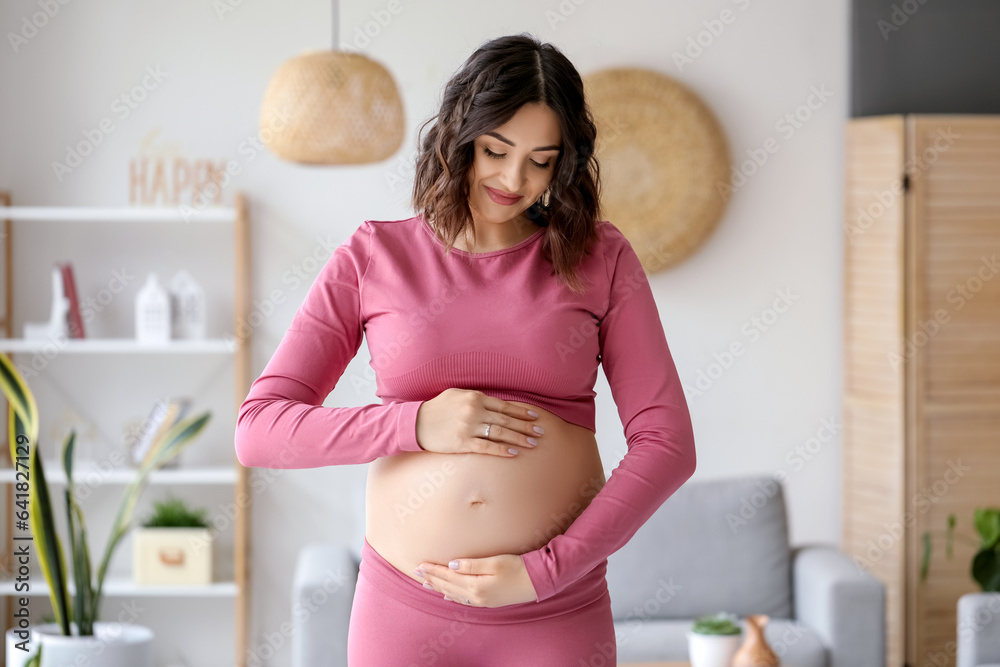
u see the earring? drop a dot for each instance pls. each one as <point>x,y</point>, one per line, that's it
<point>547,196</point>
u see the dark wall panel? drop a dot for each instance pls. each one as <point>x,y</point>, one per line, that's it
<point>925,56</point>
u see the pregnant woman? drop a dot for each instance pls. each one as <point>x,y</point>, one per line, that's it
<point>489,519</point>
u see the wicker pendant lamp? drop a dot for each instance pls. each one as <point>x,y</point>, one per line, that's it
<point>332,107</point>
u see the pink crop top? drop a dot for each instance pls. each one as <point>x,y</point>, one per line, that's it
<point>500,322</point>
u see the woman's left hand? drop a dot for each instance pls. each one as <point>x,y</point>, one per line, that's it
<point>493,581</point>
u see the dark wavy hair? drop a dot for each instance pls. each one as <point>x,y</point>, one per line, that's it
<point>497,79</point>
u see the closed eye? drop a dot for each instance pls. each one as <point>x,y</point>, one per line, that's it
<point>500,156</point>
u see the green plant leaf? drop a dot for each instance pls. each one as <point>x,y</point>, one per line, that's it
<point>925,558</point>
<point>50,551</point>
<point>35,660</point>
<point>22,403</point>
<point>78,544</point>
<point>17,392</point>
<point>176,513</point>
<point>949,536</point>
<point>721,623</point>
<point>84,587</point>
<point>77,613</point>
<point>987,522</point>
<point>74,612</point>
<point>986,570</point>
<point>176,438</point>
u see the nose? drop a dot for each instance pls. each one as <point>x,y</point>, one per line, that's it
<point>512,176</point>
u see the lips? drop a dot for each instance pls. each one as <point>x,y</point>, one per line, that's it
<point>501,197</point>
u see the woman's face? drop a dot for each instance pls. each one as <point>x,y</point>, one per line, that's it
<point>513,164</point>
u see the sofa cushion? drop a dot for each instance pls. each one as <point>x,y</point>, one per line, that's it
<point>715,545</point>
<point>656,639</point>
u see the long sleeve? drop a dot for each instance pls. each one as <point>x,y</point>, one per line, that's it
<point>282,423</point>
<point>659,436</point>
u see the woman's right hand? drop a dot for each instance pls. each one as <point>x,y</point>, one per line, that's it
<point>455,421</point>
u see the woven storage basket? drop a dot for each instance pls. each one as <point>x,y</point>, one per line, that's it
<point>664,159</point>
<point>332,107</point>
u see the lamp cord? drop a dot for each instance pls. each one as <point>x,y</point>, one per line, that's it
<point>335,21</point>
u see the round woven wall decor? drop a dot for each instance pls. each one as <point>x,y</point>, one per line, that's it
<point>332,107</point>
<point>664,159</point>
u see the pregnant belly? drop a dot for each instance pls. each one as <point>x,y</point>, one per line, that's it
<point>430,507</point>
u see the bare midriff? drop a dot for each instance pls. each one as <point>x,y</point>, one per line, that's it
<point>431,507</point>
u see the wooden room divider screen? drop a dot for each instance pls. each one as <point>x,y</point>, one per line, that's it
<point>921,361</point>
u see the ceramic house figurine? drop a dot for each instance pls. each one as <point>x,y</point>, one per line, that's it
<point>152,313</point>
<point>187,307</point>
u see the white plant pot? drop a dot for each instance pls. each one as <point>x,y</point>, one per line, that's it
<point>112,645</point>
<point>712,650</point>
<point>172,556</point>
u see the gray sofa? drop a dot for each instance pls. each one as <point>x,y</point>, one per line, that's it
<point>717,545</point>
<point>978,630</point>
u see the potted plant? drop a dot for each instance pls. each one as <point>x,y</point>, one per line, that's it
<point>713,640</point>
<point>985,566</point>
<point>173,546</point>
<point>77,633</point>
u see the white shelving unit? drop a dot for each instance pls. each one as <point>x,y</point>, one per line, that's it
<point>124,587</point>
<point>121,345</point>
<point>84,471</point>
<point>235,476</point>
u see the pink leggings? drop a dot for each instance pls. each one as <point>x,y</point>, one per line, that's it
<point>396,622</point>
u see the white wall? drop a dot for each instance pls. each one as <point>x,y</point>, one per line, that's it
<point>781,232</point>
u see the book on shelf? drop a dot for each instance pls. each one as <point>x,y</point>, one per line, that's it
<point>74,322</point>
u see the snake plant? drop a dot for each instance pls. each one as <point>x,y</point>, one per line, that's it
<point>38,510</point>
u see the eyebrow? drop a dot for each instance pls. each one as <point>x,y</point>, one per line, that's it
<point>511,143</point>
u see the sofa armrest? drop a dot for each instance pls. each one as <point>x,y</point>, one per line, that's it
<point>978,629</point>
<point>844,605</point>
<point>322,595</point>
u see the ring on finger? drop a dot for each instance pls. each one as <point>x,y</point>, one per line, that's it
<point>488,430</point>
